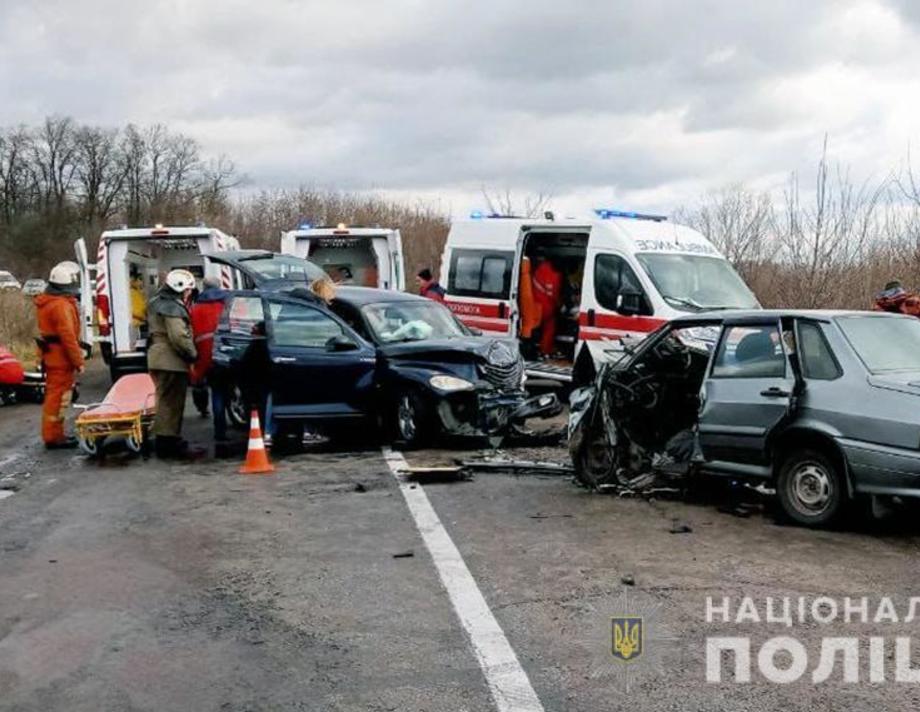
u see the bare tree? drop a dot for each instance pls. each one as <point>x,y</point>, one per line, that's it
<point>101,172</point>
<point>819,242</point>
<point>53,151</point>
<point>738,222</point>
<point>504,202</point>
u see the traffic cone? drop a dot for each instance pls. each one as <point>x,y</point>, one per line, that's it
<point>256,458</point>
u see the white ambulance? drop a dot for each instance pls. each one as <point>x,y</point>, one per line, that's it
<point>147,254</point>
<point>624,274</point>
<point>362,256</point>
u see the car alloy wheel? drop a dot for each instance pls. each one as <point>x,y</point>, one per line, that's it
<point>407,418</point>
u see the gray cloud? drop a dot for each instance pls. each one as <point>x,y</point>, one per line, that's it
<point>641,98</point>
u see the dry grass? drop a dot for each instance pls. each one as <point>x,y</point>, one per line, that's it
<point>17,325</point>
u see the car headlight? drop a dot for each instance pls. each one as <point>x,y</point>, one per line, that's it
<point>450,383</point>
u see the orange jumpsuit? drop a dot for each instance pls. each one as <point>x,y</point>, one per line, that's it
<point>547,289</point>
<point>59,324</point>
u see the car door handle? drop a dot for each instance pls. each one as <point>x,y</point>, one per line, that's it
<point>283,359</point>
<point>775,392</point>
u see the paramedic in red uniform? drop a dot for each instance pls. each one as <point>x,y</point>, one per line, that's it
<point>205,315</point>
<point>61,353</point>
<point>547,290</point>
<point>428,286</point>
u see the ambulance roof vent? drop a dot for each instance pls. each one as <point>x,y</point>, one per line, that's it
<point>607,214</point>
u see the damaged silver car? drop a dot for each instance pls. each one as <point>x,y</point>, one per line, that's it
<point>822,406</point>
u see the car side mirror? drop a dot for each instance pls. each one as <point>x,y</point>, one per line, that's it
<point>629,303</point>
<point>340,343</point>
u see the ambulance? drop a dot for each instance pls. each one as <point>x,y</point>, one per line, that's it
<point>624,274</point>
<point>360,256</point>
<point>144,254</point>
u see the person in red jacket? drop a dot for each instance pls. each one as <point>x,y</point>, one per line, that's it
<point>205,315</point>
<point>547,290</point>
<point>61,353</point>
<point>428,286</point>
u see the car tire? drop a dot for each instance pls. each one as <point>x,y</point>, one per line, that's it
<point>238,410</point>
<point>412,420</point>
<point>811,488</point>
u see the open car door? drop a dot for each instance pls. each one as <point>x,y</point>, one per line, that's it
<point>264,269</point>
<point>749,391</point>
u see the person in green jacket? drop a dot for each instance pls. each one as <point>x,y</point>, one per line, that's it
<point>171,352</point>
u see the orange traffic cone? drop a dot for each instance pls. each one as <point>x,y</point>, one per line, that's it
<point>256,458</point>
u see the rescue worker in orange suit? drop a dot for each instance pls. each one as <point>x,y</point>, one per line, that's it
<point>547,290</point>
<point>205,315</point>
<point>61,353</point>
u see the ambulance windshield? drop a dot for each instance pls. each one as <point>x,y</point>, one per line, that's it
<point>696,283</point>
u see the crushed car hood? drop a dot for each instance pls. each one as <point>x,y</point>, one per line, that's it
<point>469,349</point>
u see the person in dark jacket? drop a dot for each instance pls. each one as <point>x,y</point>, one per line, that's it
<point>171,352</point>
<point>428,286</point>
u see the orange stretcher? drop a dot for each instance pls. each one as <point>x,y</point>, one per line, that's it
<point>127,412</point>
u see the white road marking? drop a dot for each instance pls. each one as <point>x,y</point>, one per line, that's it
<point>510,687</point>
<point>6,493</point>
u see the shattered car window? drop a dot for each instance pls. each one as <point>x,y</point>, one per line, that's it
<point>411,321</point>
<point>750,352</point>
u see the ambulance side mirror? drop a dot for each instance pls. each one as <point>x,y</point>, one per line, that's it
<point>629,303</point>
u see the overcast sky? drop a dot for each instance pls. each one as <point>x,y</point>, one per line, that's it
<point>629,103</point>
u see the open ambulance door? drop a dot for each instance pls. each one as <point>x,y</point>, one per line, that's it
<point>389,257</point>
<point>87,286</point>
<point>514,307</point>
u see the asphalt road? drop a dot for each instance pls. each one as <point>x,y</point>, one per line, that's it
<point>133,585</point>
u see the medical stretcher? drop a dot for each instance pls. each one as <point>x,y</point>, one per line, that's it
<point>126,412</point>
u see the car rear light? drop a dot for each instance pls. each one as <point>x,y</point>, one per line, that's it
<point>103,314</point>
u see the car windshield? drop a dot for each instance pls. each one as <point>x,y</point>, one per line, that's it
<point>884,344</point>
<point>286,267</point>
<point>695,283</point>
<point>6,277</point>
<point>411,321</point>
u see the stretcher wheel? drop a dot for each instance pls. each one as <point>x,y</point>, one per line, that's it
<point>134,445</point>
<point>90,446</point>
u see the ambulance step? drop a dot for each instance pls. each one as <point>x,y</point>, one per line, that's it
<point>549,371</point>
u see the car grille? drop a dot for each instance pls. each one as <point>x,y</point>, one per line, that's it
<point>505,378</point>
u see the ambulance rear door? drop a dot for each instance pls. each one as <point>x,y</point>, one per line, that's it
<point>87,286</point>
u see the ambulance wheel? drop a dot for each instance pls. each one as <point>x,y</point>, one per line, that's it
<point>134,445</point>
<point>91,446</point>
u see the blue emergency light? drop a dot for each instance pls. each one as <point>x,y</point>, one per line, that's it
<point>305,226</point>
<point>607,214</point>
<point>476,215</point>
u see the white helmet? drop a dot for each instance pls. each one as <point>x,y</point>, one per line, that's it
<point>180,279</point>
<point>65,274</point>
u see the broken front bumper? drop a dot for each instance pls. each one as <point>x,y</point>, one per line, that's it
<point>492,413</point>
